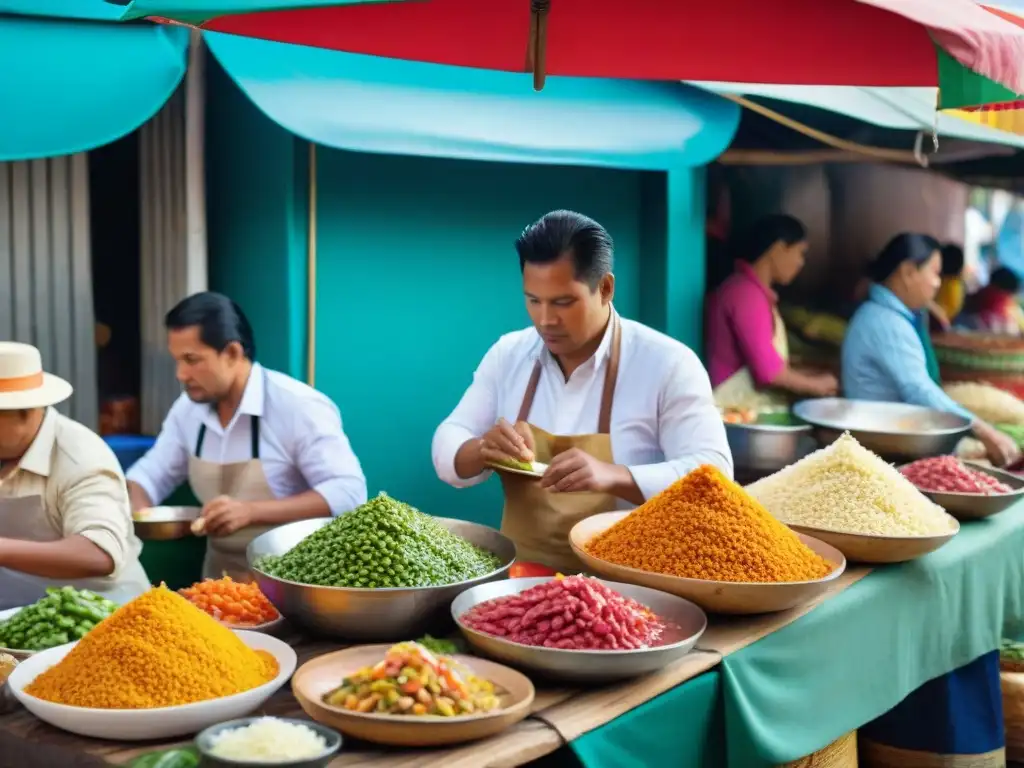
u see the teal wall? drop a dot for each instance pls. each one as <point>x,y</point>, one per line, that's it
<point>256,218</point>
<point>417,275</point>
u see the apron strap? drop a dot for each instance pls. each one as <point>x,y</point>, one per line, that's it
<point>611,373</point>
<point>604,419</point>
<point>254,426</point>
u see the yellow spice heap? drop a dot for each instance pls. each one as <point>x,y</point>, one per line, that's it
<point>706,527</point>
<point>157,651</point>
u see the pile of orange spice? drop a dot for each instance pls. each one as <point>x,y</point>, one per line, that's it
<point>231,602</point>
<point>705,526</point>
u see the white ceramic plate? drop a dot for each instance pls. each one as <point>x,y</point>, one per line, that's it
<point>267,626</point>
<point>145,724</point>
<point>538,469</point>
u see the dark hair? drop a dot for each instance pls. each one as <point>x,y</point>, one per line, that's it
<point>1005,279</point>
<point>220,321</point>
<point>566,233</point>
<point>766,232</point>
<point>916,249</point>
<point>952,260</point>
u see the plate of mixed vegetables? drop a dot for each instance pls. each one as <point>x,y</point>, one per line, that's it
<point>65,615</point>
<point>407,695</point>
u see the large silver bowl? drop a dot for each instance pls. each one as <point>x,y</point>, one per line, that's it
<point>761,449</point>
<point>586,666</point>
<point>386,614</point>
<point>975,506</point>
<point>165,523</point>
<point>892,430</point>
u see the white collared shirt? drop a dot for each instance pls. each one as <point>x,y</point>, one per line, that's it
<point>302,444</point>
<point>81,485</point>
<point>664,420</point>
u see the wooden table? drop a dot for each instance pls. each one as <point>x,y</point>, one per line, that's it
<point>559,714</point>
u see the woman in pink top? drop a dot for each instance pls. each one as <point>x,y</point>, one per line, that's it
<point>748,354</point>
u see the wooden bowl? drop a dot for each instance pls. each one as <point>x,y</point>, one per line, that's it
<point>977,506</point>
<point>732,597</point>
<point>865,548</point>
<point>323,674</point>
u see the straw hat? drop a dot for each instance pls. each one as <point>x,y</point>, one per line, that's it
<point>22,381</point>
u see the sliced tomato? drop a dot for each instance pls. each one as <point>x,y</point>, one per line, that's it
<point>529,570</point>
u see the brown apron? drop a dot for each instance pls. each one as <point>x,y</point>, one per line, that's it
<point>25,518</point>
<point>740,391</point>
<point>242,481</point>
<point>539,521</point>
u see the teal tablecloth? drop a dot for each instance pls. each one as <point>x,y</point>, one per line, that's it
<point>861,653</point>
<point>840,666</point>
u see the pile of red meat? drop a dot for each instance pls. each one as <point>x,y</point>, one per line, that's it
<point>950,475</point>
<point>573,613</point>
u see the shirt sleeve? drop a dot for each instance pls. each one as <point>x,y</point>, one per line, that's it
<point>324,456</point>
<point>476,413</point>
<point>753,326</point>
<point>904,361</point>
<point>165,465</point>
<point>690,429</point>
<point>94,504</point>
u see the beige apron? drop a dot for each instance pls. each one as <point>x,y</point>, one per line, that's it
<point>242,481</point>
<point>25,518</point>
<point>539,521</point>
<point>740,391</point>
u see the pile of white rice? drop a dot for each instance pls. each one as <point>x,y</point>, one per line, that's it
<point>848,489</point>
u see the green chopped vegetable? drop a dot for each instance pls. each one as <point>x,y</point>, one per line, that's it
<point>64,615</point>
<point>171,758</point>
<point>440,646</point>
<point>1011,650</point>
<point>383,543</point>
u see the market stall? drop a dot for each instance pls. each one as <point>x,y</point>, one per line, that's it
<point>759,688</point>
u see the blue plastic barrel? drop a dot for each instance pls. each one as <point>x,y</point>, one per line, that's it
<point>129,448</point>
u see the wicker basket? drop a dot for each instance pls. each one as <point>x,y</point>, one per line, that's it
<point>1012,685</point>
<point>875,755</point>
<point>839,754</point>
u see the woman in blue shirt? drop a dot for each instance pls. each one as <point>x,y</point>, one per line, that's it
<point>886,348</point>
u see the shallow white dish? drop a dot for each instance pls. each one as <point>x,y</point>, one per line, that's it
<point>267,626</point>
<point>538,469</point>
<point>145,724</point>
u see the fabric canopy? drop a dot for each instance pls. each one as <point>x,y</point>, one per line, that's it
<point>70,86</point>
<point>803,42</point>
<point>369,104</point>
<point>898,108</point>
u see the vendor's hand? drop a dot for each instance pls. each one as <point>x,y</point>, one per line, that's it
<point>576,470</point>
<point>824,385</point>
<point>505,441</point>
<point>224,516</point>
<point>1002,449</point>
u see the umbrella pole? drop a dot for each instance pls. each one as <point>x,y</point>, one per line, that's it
<point>537,47</point>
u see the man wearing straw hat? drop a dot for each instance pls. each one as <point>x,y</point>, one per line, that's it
<point>64,512</point>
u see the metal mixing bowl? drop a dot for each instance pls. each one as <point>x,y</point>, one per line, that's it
<point>165,523</point>
<point>586,666</point>
<point>386,614</point>
<point>761,449</point>
<point>892,430</point>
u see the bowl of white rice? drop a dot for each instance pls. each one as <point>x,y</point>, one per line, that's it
<point>254,742</point>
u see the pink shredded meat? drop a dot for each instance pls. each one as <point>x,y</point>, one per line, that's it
<point>576,612</point>
<point>947,474</point>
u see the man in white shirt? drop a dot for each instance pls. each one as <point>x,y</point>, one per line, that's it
<point>259,448</point>
<point>540,394</point>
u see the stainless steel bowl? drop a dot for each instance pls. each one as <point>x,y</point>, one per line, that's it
<point>975,506</point>
<point>585,666</point>
<point>762,449</point>
<point>165,523</point>
<point>892,430</point>
<point>387,614</point>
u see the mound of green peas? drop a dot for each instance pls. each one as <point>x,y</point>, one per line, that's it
<point>64,615</point>
<point>384,543</point>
